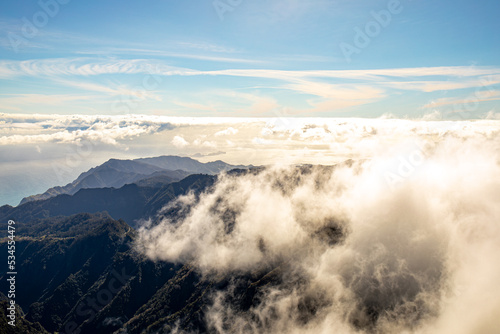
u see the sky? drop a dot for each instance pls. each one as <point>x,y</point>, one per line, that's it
<point>239,58</point>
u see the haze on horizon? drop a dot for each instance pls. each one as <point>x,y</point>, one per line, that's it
<point>42,151</point>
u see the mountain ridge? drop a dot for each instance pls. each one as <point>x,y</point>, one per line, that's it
<point>131,202</point>
<point>116,173</point>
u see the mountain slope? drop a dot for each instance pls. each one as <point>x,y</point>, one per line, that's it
<point>23,326</point>
<point>116,173</point>
<point>190,165</point>
<point>130,202</point>
<point>88,276</point>
<point>90,279</point>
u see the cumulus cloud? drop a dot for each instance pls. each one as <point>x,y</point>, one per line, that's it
<point>178,141</point>
<point>204,143</point>
<point>227,132</point>
<point>347,249</point>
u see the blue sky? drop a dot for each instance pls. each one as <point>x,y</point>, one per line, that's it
<point>251,58</point>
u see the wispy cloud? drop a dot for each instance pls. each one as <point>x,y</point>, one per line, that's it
<point>207,47</point>
<point>432,86</point>
<point>79,67</point>
<point>329,90</point>
<point>478,97</point>
<point>193,106</point>
<point>91,66</point>
<point>15,101</point>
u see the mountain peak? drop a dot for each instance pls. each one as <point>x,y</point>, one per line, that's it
<point>116,173</point>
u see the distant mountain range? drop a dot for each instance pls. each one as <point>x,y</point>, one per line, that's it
<point>116,173</point>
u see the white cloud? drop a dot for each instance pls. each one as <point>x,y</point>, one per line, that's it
<point>204,143</point>
<point>339,92</point>
<point>467,76</point>
<point>227,132</point>
<point>349,250</point>
<point>476,97</point>
<point>36,129</point>
<point>432,86</point>
<point>261,141</point>
<point>16,101</point>
<point>269,140</point>
<point>178,141</point>
<point>277,128</point>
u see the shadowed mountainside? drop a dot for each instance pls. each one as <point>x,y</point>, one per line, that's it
<point>130,202</point>
<point>90,278</point>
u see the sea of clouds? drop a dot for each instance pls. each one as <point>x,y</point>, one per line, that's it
<point>400,236</point>
<point>405,240</point>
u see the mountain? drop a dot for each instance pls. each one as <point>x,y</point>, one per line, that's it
<point>116,173</point>
<point>130,202</point>
<point>67,256</point>
<point>90,279</point>
<point>190,165</point>
<point>23,326</point>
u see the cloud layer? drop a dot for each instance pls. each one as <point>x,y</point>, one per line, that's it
<point>406,241</point>
<point>38,129</point>
<point>79,142</point>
